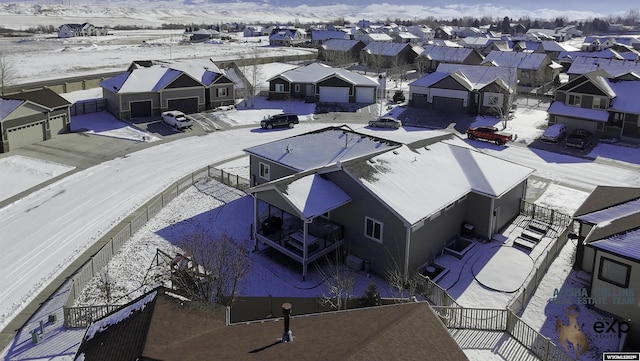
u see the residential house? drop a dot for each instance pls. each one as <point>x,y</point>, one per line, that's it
<point>321,83</point>
<point>84,29</point>
<point>148,88</point>
<point>567,32</point>
<point>370,37</point>
<point>467,32</point>
<point>255,30</point>
<point>387,55</point>
<point>553,48</point>
<point>202,35</point>
<point>287,37</point>
<point>614,67</point>
<point>444,32</point>
<point>337,51</point>
<point>566,58</point>
<point>485,45</point>
<point>161,325</point>
<point>31,117</point>
<point>608,253</point>
<point>495,45</point>
<point>540,34</point>
<point>472,89</point>
<point>606,105</point>
<point>423,32</point>
<point>432,56</point>
<point>319,37</point>
<point>406,37</point>
<point>339,189</point>
<point>534,69</point>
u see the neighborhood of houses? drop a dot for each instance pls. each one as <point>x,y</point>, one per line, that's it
<point>336,187</point>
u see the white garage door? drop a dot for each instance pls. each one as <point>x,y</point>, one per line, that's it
<point>330,94</point>
<point>19,137</point>
<point>57,125</point>
<point>365,95</point>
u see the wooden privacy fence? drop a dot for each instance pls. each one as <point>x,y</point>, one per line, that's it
<point>502,321</point>
<point>112,242</point>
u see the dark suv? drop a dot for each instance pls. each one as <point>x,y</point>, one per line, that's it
<point>279,120</point>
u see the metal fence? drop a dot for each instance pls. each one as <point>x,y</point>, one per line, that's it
<point>434,293</point>
<point>75,317</point>
<point>88,106</point>
<point>502,321</point>
<point>544,214</point>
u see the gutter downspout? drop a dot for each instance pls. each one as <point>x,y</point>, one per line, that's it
<point>491,217</point>
<point>254,231</point>
<point>406,252</point>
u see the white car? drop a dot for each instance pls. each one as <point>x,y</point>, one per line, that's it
<point>555,133</point>
<point>176,119</point>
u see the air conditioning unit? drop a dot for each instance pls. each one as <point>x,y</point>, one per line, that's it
<point>354,262</point>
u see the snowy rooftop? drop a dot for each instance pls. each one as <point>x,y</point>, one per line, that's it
<point>625,244</point>
<point>339,44</point>
<point>8,105</point>
<point>319,149</point>
<point>626,99</point>
<point>446,53</point>
<point>454,171</point>
<point>607,215</point>
<point>385,48</point>
<point>520,60</point>
<point>559,108</point>
<point>480,76</point>
<point>582,65</point>
<point>308,73</point>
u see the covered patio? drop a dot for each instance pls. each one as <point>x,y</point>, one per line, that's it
<point>293,217</point>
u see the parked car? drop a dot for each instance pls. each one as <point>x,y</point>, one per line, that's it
<point>579,138</point>
<point>491,134</point>
<point>176,119</point>
<point>280,120</point>
<point>555,133</point>
<point>385,122</point>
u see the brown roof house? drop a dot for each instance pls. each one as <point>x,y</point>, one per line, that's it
<point>160,326</point>
<point>32,116</point>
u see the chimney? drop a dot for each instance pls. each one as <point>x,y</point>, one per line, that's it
<point>286,311</point>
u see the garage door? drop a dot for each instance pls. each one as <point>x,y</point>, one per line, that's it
<point>419,100</point>
<point>19,137</point>
<point>365,95</point>
<point>57,125</point>
<point>329,94</point>
<point>448,105</point>
<point>140,109</point>
<point>186,105</point>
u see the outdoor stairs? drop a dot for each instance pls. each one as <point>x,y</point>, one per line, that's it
<point>531,235</point>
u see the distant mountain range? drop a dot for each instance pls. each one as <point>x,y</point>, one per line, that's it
<point>156,12</point>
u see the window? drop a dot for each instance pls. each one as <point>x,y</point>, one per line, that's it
<point>296,88</point>
<point>599,103</point>
<point>493,100</point>
<point>616,120</point>
<point>373,229</point>
<point>280,88</point>
<point>575,100</point>
<point>614,272</point>
<point>222,92</point>
<point>264,171</point>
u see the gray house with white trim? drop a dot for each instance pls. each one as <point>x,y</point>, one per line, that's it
<point>389,203</point>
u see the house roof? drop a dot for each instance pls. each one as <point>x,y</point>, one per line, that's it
<point>7,106</point>
<point>385,48</point>
<point>405,178</point>
<point>379,37</point>
<point>44,97</point>
<point>559,108</point>
<point>307,73</point>
<point>553,46</point>
<point>339,44</point>
<point>328,34</point>
<point>446,54</point>
<point>615,67</point>
<point>151,79</point>
<point>625,244</point>
<point>178,332</point>
<point>520,60</point>
<point>626,100</point>
<point>606,53</point>
<point>606,196</point>
<point>321,148</point>
<point>310,195</point>
<point>481,76</point>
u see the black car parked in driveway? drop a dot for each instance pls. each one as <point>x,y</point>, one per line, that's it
<point>579,138</point>
<point>279,120</point>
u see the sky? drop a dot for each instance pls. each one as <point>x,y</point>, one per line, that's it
<point>68,204</point>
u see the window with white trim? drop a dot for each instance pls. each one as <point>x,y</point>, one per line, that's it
<point>614,272</point>
<point>493,100</point>
<point>280,88</point>
<point>373,229</point>
<point>265,171</point>
<point>296,88</point>
<point>222,92</point>
<point>599,103</point>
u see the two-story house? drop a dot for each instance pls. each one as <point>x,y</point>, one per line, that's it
<point>533,69</point>
<point>434,55</point>
<point>598,102</point>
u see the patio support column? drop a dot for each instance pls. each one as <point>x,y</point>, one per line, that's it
<point>305,228</point>
<point>255,222</point>
<point>491,217</point>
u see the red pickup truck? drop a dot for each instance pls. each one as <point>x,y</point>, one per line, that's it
<point>491,134</point>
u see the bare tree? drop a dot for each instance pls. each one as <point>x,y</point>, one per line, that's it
<point>403,284</point>
<point>210,269</point>
<point>107,286</point>
<point>6,72</point>
<point>502,103</point>
<point>338,281</point>
<point>251,71</point>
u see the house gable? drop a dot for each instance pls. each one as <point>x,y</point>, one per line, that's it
<point>449,83</point>
<point>183,81</point>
